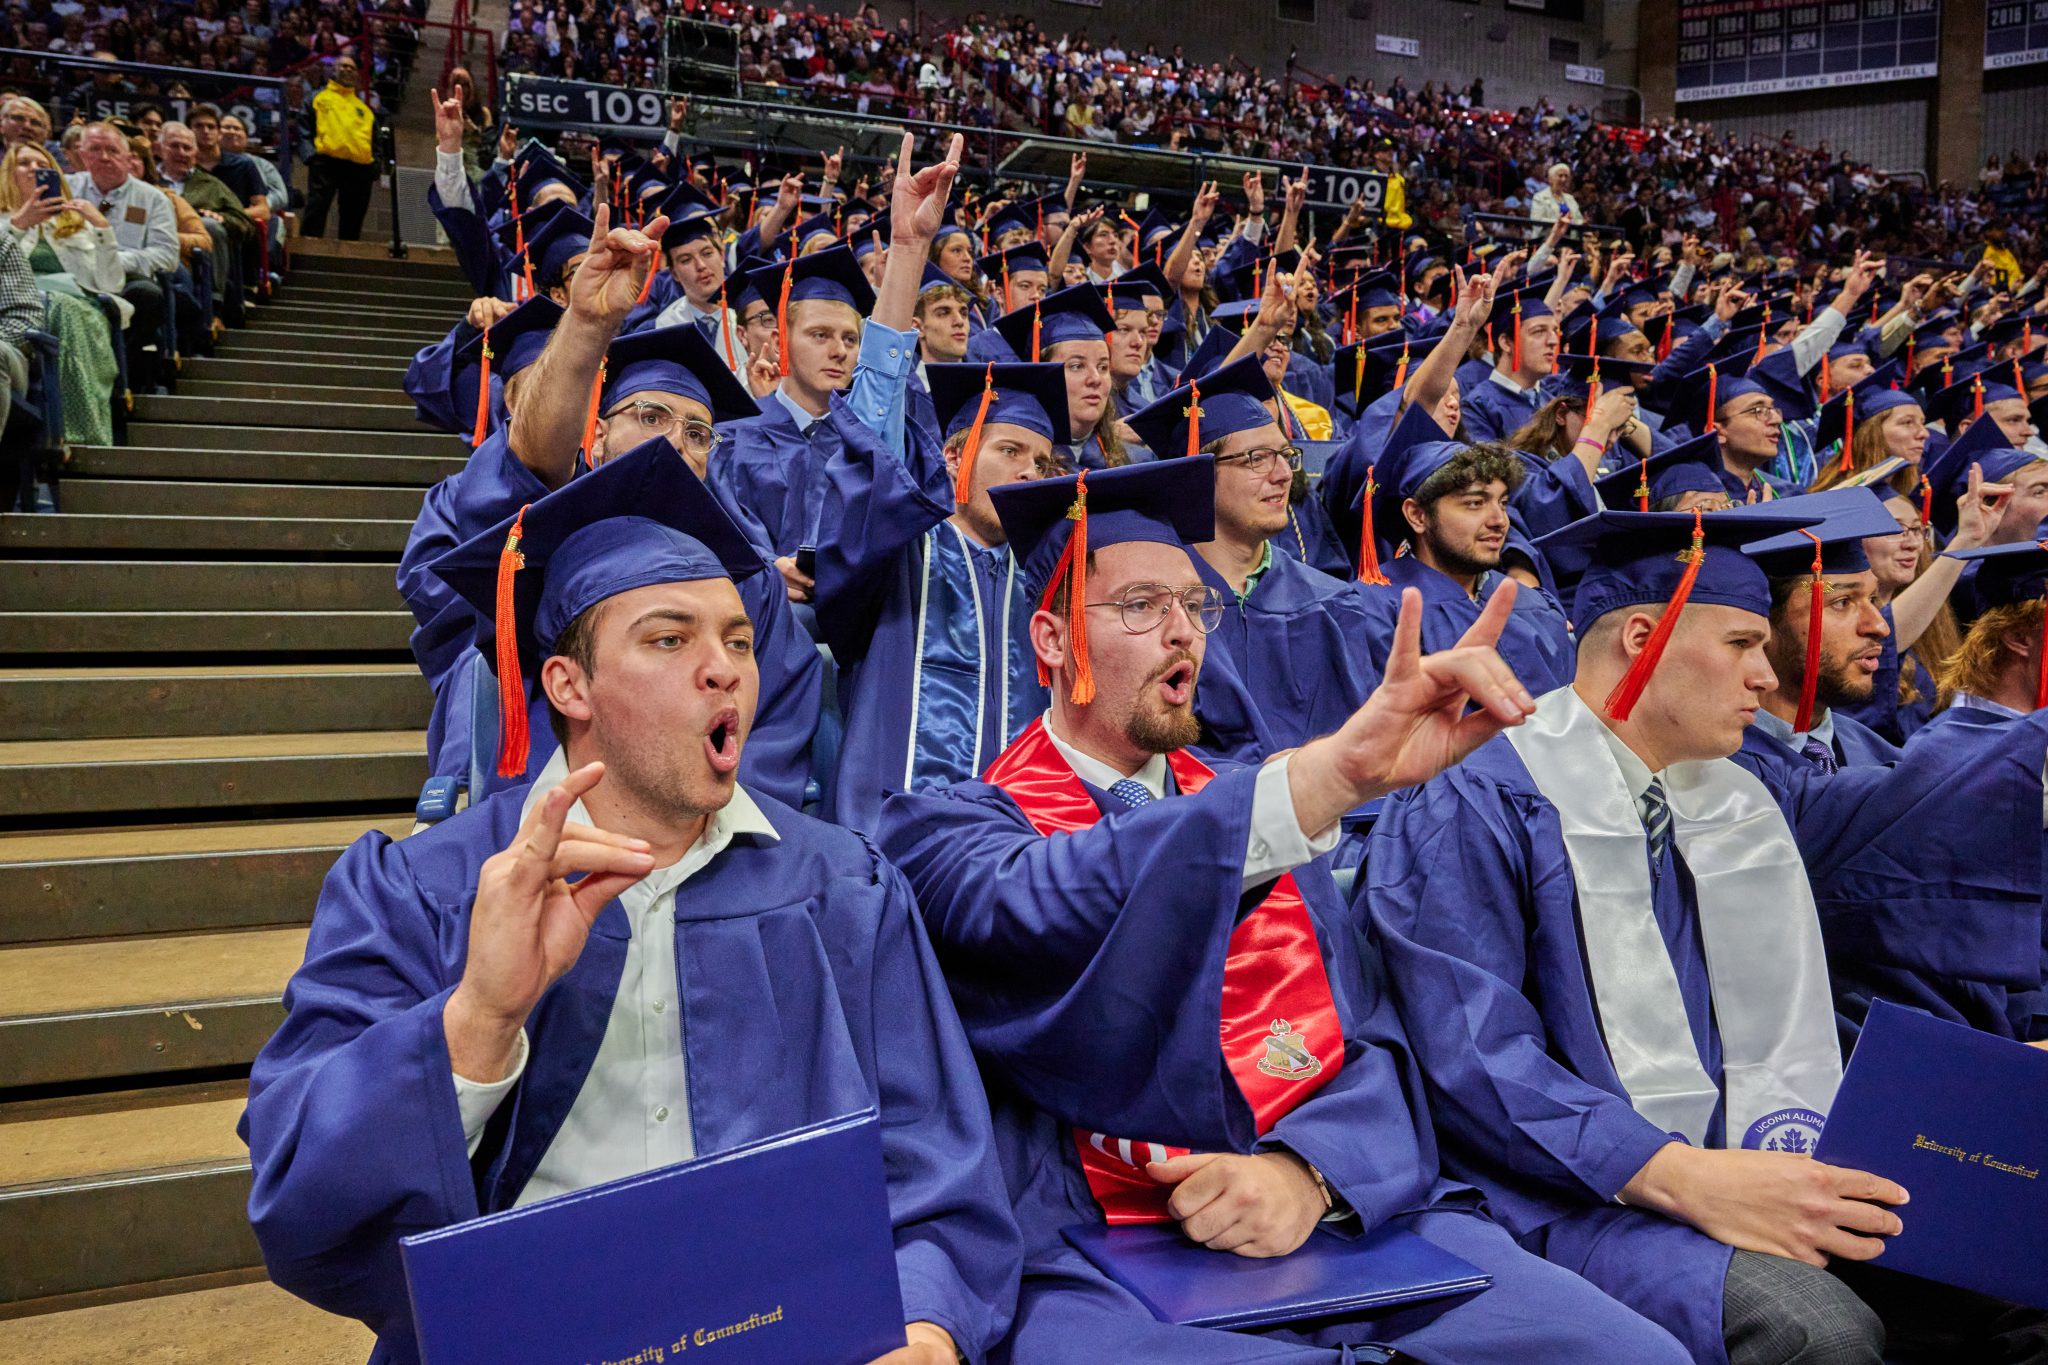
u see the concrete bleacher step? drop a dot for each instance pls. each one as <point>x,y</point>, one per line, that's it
<point>315,468</point>
<point>140,585</point>
<point>368,310</point>
<point>125,702</point>
<point>252,412</point>
<point>313,371</point>
<point>230,1325</point>
<point>336,389</point>
<point>172,879</point>
<point>342,291</point>
<point>195,498</point>
<point>166,1003</point>
<point>46,777</point>
<point>297,349</point>
<point>416,333</point>
<point>122,1189</point>
<point>87,531</point>
<point>311,262</point>
<point>204,633</point>
<point>182,432</point>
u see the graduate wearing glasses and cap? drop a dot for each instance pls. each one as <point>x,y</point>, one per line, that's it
<point>469,1031</point>
<point>1638,924</point>
<point>1127,932</point>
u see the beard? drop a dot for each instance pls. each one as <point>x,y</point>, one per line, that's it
<point>673,782</point>
<point>1464,561</point>
<point>1159,728</point>
<point>1840,685</point>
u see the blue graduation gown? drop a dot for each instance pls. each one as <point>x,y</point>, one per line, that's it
<point>1310,378</point>
<point>1311,539</point>
<point>809,991</point>
<point>1555,496</point>
<point>493,486</point>
<point>776,472</point>
<point>1288,663</point>
<point>1536,643</point>
<point>931,631</point>
<point>1343,478</point>
<point>987,345</point>
<point>476,249</point>
<point>1088,969</point>
<point>430,379</point>
<point>1490,413</point>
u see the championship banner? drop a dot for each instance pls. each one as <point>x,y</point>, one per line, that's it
<point>2015,33</point>
<point>1732,48</point>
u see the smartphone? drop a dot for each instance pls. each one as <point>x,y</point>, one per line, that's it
<point>807,560</point>
<point>50,185</point>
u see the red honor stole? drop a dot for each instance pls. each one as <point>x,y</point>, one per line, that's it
<point>1280,1037</point>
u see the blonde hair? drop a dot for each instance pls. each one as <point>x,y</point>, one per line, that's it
<point>1867,447</point>
<point>11,198</point>
<point>1976,663</point>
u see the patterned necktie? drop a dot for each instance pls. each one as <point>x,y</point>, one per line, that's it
<point>1656,820</point>
<point>1131,793</point>
<point>1819,755</point>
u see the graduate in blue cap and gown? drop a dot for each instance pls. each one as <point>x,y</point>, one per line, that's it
<point>1446,504</point>
<point>1525,342</point>
<point>1746,418</point>
<point>1131,936</point>
<point>1069,327</point>
<point>1287,660</point>
<point>1606,942</point>
<point>436,1062</point>
<point>777,458</point>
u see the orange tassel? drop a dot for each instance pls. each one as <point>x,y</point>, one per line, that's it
<point>1369,570</point>
<point>483,395</point>
<point>1827,379</point>
<point>1926,501</point>
<point>1193,412</point>
<point>1713,398</point>
<point>782,318</point>
<point>1358,379</point>
<point>646,285</point>
<point>1816,608</point>
<point>1643,488</point>
<point>2041,687</point>
<point>1622,700</point>
<point>1400,369</point>
<point>732,358</point>
<point>1763,337</point>
<point>513,741</point>
<point>1073,570</point>
<point>590,415</point>
<point>1006,284</point>
<point>963,483</point>
<point>1977,398</point>
<point>1848,430</point>
<point>1034,331</point>
<point>1518,337</point>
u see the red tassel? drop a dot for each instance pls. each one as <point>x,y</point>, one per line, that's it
<point>1664,343</point>
<point>513,741</point>
<point>1713,398</point>
<point>1193,412</point>
<point>1909,357</point>
<point>1034,331</point>
<point>2041,687</point>
<point>1762,337</point>
<point>1816,608</point>
<point>1369,570</point>
<point>1848,430</point>
<point>1977,398</point>
<point>1073,570</point>
<point>963,483</point>
<point>732,358</point>
<point>1518,337</point>
<point>483,394</point>
<point>1827,379</point>
<point>590,415</point>
<point>1643,488</point>
<point>1622,700</point>
<point>646,285</point>
<point>782,318</point>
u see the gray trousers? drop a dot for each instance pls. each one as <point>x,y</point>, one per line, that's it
<point>1780,1312</point>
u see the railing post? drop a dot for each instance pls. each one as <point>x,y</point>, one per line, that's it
<point>390,139</point>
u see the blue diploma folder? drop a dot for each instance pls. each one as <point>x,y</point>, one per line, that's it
<point>779,1252</point>
<point>1955,1116</point>
<point>1328,1276</point>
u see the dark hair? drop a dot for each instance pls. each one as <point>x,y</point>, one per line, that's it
<point>577,642</point>
<point>1480,463</point>
<point>1543,433</point>
<point>211,111</point>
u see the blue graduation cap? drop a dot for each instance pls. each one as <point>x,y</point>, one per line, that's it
<point>1134,286</point>
<point>1857,403</point>
<point>869,236</point>
<point>1208,408</point>
<point>1947,475</point>
<point>832,274</point>
<point>1704,392</point>
<point>1012,217</point>
<point>1510,311</point>
<point>1584,368</point>
<point>1030,396</point>
<point>1966,398</point>
<point>633,522</point>
<point>566,235</point>
<point>1022,259</point>
<point>1054,525</point>
<point>529,223</point>
<point>1215,348</point>
<point>691,214</point>
<point>538,168</point>
<point>675,360</point>
<point>1778,374</point>
<point>819,227</point>
<point>935,278</point>
<point>513,342</point>
<point>1374,290</point>
<point>1691,466</point>
<point>646,179</point>
<point>1155,229</point>
<point>1364,370</point>
<point>1071,314</point>
<point>2008,575</point>
<point>1672,559</point>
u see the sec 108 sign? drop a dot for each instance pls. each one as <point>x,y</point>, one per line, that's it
<point>538,102</point>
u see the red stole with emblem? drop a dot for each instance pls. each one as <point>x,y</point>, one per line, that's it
<point>1281,1036</point>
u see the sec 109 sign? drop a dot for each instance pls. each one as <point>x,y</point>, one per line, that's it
<point>538,102</point>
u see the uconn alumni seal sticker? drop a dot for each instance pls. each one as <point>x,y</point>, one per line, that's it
<point>1785,1130</point>
<point>1287,1055</point>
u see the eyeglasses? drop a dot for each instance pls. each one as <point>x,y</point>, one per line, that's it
<point>1753,410</point>
<point>1905,529</point>
<point>656,419</point>
<point>1145,607</point>
<point>1260,460</point>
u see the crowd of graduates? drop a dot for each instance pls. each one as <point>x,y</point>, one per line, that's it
<point>971,650</point>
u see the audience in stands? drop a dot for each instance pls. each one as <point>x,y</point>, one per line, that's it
<point>146,235</point>
<point>70,247</point>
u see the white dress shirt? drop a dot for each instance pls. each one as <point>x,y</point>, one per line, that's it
<point>145,226</point>
<point>1277,843</point>
<point>639,1068</point>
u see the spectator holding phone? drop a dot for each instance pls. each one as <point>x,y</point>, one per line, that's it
<point>69,248</point>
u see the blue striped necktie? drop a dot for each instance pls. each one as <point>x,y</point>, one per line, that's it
<point>1656,820</point>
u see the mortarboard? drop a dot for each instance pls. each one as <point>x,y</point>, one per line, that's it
<point>2008,575</point>
<point>831,275</point>
<point>870,235</point>
<point>566,235</point>
<point>1136,285</point>
<point>1858,403</point>
<point>528,225</point>
<point>1012,217</point>
<point>1964,400</point>
<point>1690,466</point>
<point>1054,525</point>
<point>675,360</point>
<point>1702,393</point>
<point>1504,324</point>
<point>1207,408</point>
<point>1071,314</point>
<point>968,397</point>
<point>691,214</point>
<point>1672,559</point>
<point>1946,478</point>
<point>506,347</point>
<point>1024,258</point>
<point>1778,374</point>
<point>641,519</point>
<point>935,278</point>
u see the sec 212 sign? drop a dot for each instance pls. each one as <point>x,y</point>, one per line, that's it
<point>538,102</point>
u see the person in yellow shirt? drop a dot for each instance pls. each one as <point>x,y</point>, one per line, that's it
<point>1998,258</point>
<point>1394,203</point>
<point>343,162</point>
